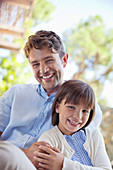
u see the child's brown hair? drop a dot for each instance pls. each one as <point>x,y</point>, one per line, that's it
<point>75,92</point>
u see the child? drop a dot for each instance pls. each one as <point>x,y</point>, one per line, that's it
<point>78,147</point>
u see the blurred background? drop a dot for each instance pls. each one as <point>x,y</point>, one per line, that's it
<point>86,29</point>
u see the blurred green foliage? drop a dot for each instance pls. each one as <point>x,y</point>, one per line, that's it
<point>12,71</point>
<point>42,11</point>
<point>90,46</point>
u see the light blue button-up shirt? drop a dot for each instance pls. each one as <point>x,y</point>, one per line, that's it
<point>25,113</point>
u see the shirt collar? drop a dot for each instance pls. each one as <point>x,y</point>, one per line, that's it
<point>43,93</point>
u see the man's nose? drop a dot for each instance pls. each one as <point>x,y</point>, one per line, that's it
<point>43,68</point>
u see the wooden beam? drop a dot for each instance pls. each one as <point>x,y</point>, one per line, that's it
<point>16,32</point>
<point>21,3</point>
<point>9,46</point>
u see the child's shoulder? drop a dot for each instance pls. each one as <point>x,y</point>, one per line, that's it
<point>51,136</point>
<point>93,134</point>
<point>52,132</point>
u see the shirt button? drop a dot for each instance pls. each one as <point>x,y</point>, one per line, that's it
<point>42,115</point>
<point>24,139</point>
<point>49,100</point>
<point>34,131</point>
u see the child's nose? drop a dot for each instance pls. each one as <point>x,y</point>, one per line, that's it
<point>78,114</point>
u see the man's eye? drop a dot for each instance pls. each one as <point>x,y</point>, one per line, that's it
<point>35,65</point>
<point>49,60</point>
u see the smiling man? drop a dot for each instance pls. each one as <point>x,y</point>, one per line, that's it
<point>47,68</point>
<point>25,110</point>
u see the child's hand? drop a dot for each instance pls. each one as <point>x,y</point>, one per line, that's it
<point>51,158</point>
<point>34,148</point>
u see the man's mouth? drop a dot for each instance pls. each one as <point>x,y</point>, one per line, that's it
<point>47,77</point>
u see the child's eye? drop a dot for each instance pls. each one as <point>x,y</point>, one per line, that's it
<point>71,107</point>
<point>85,111</point>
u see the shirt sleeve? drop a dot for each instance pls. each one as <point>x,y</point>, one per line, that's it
<point>46,137</point>
<point>101,157</point>
<point>5,108</point>
<point>97,118</point>
<point>74,165</point>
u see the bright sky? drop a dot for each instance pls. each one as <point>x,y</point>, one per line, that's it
<point>68,13</point>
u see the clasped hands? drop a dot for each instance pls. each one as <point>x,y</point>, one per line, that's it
<point>45,157</point>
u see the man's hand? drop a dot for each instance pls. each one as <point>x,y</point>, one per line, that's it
<point>51,158</point>
<point>30,152</point>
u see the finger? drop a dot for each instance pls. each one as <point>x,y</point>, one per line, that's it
<point>44,166</point>
<point>42,155</point>
<point>47,149</point>
<point>36,152</point>
<point>42,143</point>
<point>40,168</point>
<point>56,150</point>
<point>41,160</point>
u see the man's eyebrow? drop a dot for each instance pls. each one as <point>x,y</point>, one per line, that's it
<point>33,62</point>
<point>36,61</point>
<point>48,57</point>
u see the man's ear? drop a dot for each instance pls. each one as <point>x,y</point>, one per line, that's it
<point>57,107</point>
<point>65,59</point>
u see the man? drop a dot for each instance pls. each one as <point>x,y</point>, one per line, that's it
<point>25,110</point>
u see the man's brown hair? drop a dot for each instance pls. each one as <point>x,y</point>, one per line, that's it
<point>45,39</point>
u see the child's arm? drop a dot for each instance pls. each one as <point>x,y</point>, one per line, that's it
<point>54,160</point>
<point>98,155</point>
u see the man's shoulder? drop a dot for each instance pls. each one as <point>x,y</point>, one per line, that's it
<point>20,89</point>
<point>25,87</point>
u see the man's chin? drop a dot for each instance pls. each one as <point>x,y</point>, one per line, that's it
<point>48,87</point>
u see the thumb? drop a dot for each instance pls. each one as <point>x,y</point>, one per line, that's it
<point>56,150</point>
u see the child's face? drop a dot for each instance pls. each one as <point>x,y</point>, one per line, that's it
<point>71,117</point>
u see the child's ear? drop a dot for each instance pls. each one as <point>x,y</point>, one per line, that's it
<point>57,107</point>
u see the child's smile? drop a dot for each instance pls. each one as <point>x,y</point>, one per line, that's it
<point>71,117</point>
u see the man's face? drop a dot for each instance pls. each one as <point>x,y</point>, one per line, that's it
<point>48,68</point>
